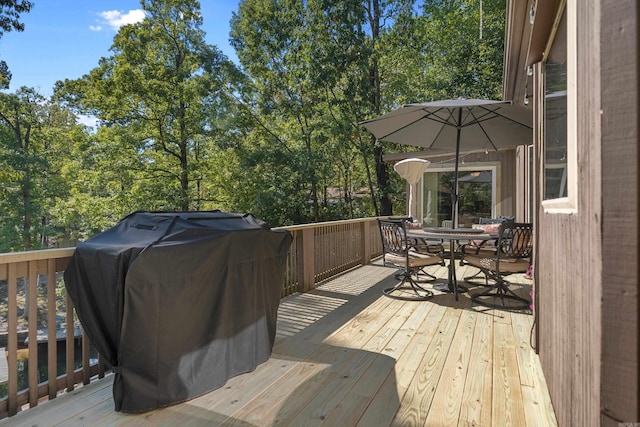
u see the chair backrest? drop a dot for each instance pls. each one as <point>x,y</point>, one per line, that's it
<point>497,220</point>
<point>447,223</point>
<point>515,240</point>
<point>393,233</point>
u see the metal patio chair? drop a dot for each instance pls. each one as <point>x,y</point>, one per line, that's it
<point>400,252</point>
<point>512,255</point>
<point>484,248</point>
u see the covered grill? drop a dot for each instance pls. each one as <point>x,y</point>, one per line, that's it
<point>179,302</point>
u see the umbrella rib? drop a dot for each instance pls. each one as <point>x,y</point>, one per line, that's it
<point>445,122</point>
<point>487,115</point>
<point>482,129</point>
<point>427,116</point>
<point>399,129</point>
<point>503,116</point>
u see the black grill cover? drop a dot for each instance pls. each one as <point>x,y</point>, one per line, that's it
<point>179,302</point>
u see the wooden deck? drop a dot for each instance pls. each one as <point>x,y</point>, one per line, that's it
<point>347,356</point>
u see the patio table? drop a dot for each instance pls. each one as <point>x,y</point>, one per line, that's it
<point>452,235</point>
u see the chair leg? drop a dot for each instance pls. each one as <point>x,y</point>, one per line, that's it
<point>421,294</point>
<point>430,277</point>
<point>502,291</point>
<point>471,279</point>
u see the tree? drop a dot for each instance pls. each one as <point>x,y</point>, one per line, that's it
<point>183,128</point>
<point>10,11</point>
<point>19,114</point>
<point>269,38</point>
<point>453,49</point>
<point>380,17</point>
<point>163,84</point>
<point>34,134</point>
<point>315,67</point>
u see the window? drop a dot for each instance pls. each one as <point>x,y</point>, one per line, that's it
<point>559,147</point>
<point>476,195</point>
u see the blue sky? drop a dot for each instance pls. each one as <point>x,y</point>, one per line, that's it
<point>64,39</point>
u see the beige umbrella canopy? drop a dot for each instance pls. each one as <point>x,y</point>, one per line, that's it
<point>412,170</point>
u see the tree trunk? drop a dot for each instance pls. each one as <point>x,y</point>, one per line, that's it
<point>184,179</point>
<point>314,184</point>
<point>26,205</point>
<point>382,175</point>
<point>184,159</point>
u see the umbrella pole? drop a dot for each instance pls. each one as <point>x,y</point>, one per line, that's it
<point>454,211</point>
<point>454,197</point>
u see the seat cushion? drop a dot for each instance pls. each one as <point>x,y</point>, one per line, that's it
<point>487,228</point>
<point>469,250</point>
<point>489,263</point>
<point>415,259</point>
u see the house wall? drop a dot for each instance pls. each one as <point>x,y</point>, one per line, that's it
<point>568,245</point>
<point>506,196</point>
<point>586,263</point>
<point>507,193</point>
<point>620,375</point>
<point>523,185</point>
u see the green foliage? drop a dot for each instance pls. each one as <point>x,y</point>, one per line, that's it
<point>34,136</point>
<point>10,11</point>
<point>451,50</point>
<point>162,88</point>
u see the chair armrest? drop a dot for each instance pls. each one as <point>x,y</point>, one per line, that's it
<point>426,247</point>
<point>474,248</point>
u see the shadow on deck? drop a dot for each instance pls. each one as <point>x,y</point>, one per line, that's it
<point>346,355</point>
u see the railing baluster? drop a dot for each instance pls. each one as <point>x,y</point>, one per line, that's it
<point>12,342</point>
<point>32,310</point>
<point>70,345</point>
<point>52,343</point>
<point>101,366</point>
<point>308,259</point>
<point>86,346</point>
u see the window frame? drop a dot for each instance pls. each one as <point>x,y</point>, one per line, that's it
<point>469,167</point>
<point>568,204</point>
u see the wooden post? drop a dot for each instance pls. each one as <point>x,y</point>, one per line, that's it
<point>365,229</point>
<point>306,261</point>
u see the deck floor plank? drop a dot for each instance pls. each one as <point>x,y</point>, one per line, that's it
<point>477,396</point>
<point>322,396</point>
<point>507,401</point>
<point>415,404</point>
<point>391,340</point>
<point>446,409</point>
<point>522,334</point>
<point>386,402</point>
<point>347,355</point>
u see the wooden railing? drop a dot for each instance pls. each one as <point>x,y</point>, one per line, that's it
<point>37,315</point>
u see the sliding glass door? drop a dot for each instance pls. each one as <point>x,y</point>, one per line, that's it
<point>476,190</point>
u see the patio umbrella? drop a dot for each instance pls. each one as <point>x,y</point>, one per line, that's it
<point>460,125</point>
<point>411,170</point>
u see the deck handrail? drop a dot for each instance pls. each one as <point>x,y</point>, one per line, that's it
<point>319,251</point>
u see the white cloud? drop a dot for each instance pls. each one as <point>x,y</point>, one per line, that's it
<point>95,27</point>
<point>116,18</point>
